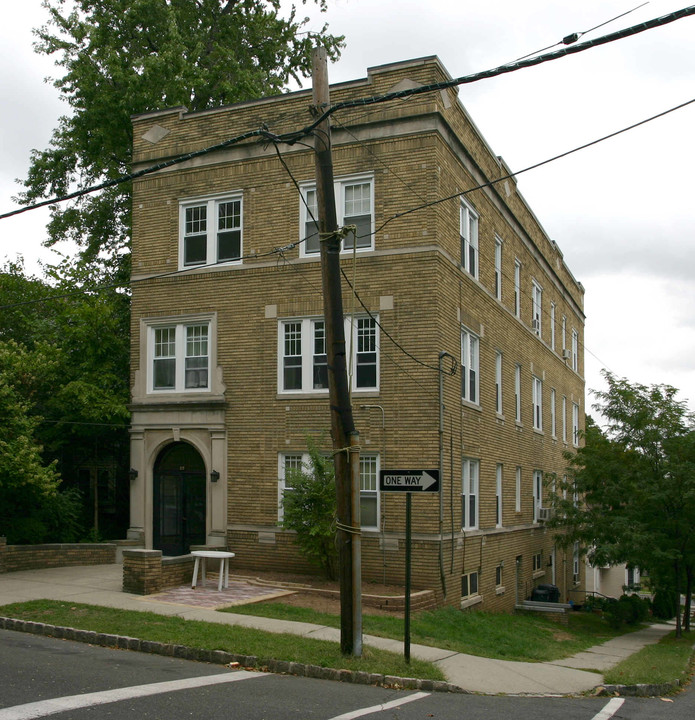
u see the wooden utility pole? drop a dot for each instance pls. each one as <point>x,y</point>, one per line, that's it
<point>345,437</point>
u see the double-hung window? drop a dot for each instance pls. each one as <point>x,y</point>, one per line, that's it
<point>517,489</point>
<point>498,268</point>
<point>553,419</point>
<point>302,360</point>
<point>575,350</point>
<point>354,198</point>
<point>469,238</point>
<point>369,490</point>
<point>517,393</point>
<point>470,363</point>
<point>498,495</point>
<point>179,357</point>
<point>552,326</point>
<point>517,288</point>
<point>564,419</point>
<point>210,231</point>
<point>537,403</point>
<point>289,463</point>
<point>469,585</point>
<point>537,308</point>
<point>469,494</point>
<point>498,383</point>
<point>575,424</point>
<point>537,493</point>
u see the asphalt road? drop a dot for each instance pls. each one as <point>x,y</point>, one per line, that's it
<point>44,677</point>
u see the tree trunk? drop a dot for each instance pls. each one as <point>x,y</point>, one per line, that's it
<point>688,597</point>
<point>677,570</point>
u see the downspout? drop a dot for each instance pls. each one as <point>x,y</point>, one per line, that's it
<point>442,355</point>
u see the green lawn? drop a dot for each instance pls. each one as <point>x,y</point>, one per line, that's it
<point>664,662</point>
<point>531,638</point>
<point>213,636</point>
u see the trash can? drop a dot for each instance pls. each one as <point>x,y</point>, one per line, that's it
<point>546,593</point>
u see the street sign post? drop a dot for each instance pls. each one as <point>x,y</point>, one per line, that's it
<point>408,481</point>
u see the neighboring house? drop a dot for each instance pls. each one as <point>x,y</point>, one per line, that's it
<point>609,580</point>
<point>228,339</point>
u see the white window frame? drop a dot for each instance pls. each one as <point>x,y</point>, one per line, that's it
<point>564,332</point>
<point>575,562</point>
<point>341,203</point>
<point>498,267</point>
<point>369,488</point>
<point>553,418</point>
<point>537,393</point>
<point>212,206</point>
<point>181,353</point>
<point>517,288</point>
<point>575,424</point>
<point>517,499</point>
<point>470,366</point>
<point>517,393</point>
<point>472,580</point>
<point>302,461</point>
<point>470,494</point>
<point>468,233</point>
<point>356,334</point>
<point>537,493</point>
<point>552,326</point>
<point>575,350</point>
<point>498,495</point>
<point>564,419</point>
<point>498,383</point>
<point>536,308</point>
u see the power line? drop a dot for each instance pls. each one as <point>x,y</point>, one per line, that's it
<point>291,138</point>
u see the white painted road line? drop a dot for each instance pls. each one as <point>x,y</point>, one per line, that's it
<point>608,711</point>
<point>73,702</point>
<point>375,708</point>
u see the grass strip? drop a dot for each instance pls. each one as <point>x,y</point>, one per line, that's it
<point>215,636</point>
<point>664,662</point>
<point>527,638</point>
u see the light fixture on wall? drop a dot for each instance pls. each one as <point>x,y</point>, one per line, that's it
<point>214,476</point>
<point>133,473</point>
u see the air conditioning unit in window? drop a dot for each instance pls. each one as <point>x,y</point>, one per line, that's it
<point>545,514</point>
<point>566,354</point>
<point>536,325</point>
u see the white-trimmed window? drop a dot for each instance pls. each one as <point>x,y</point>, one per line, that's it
<point>536,308</point>
<point>302,364</point>
<point>575,562</point>
<point>537,403</point>
<point>498,383</point>
<point>498,495</point>
<point>470,483</point>
<point>517,393</point>
<point>468,231</point>
<point>553,418</point>
<point>564,333</point>
<point>498,267</point>
<point>470,365</point>
<point>469,585</point>
<point>517,288</point>
<point>575,350</point>
<point>517,499</point>
<point>537,493</point>
<point>179,357</point>
<point>287,464</point>
<point>552,326</point>
<point>564,419</point>
<point>210,230</point>
<point>575,424</point>
<point>369,490</point>
<point>354,199</point>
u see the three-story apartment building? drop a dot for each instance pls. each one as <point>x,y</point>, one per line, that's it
<point>229,370</point>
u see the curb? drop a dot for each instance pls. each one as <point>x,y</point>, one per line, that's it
<point>643,690</point>
<point>221,657</point>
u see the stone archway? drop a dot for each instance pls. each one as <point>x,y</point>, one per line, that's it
<point>179,505</point>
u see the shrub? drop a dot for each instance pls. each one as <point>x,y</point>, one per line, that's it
<point>664,604</point>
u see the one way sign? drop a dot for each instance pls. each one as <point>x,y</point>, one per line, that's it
<point>409,480</point>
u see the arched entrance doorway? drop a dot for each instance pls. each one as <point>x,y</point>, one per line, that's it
<point>179,499</point>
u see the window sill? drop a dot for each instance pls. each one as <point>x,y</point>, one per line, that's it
<point>538,574</point>
<point>470,601</point>
<point>499,590</point>
<point>538,431</point>
<point>471,405</point>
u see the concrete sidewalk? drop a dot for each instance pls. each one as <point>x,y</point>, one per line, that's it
<point>101,585</point>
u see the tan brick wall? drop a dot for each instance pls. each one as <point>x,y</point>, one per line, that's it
<point>36,557</point>
<point>418,152</point>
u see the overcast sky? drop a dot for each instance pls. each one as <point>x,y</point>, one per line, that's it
<point>622,212</point>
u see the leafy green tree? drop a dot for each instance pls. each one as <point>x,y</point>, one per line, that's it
<point>122,57</point>
<point>630,490</point>
<point>309,508</point>
<point>31,507</point>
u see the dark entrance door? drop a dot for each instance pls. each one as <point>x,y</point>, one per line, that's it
<point>179,499</point>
